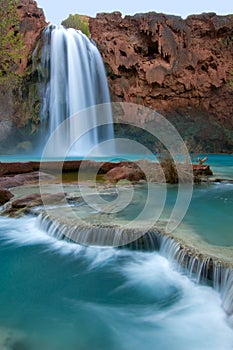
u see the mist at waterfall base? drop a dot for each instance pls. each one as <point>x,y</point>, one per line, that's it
<point>65,296</point>
<point>73,78</point>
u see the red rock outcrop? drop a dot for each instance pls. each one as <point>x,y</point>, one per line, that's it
<point>23,179</point>
<point>181,68</point>
<point>16,111</point>
<point>32,22</point>
<point>5,196</point>
<point>130,173</point>
<point>199,169</point>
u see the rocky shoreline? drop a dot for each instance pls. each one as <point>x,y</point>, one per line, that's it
<point>19,173</point>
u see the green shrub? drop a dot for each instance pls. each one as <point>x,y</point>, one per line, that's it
<point>231,80</point>
<point>11,42</point>
<point>79,22</point>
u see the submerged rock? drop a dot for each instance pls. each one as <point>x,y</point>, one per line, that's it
<point>13,340</point>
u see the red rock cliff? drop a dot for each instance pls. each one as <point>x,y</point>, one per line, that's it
<point>32,21</point>
<point>181,68</point>
<point>15,111</point>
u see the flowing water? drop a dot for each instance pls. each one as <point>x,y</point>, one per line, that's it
<point>72,79</point>
<point>65,296</point>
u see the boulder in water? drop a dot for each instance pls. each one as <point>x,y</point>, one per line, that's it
<point>125,172</point>
<point>5,196</point>
<point>23,205</point>
<point>200,169</point>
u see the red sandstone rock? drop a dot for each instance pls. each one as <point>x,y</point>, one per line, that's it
<point>36,199</point>
<point>199,169</point>
<point>105,167</point>
<point>15,168</point>
<point>136,175</point>
<point>28,201</point>
<point>5,196</point>
<point>10,182</point>
<point>118,173</point>
<point>14,113</point>
<point>127,172</point>
<point>23,205</point>
<point>22,179</point>
<point>32,21</point>
<point>181,68</point>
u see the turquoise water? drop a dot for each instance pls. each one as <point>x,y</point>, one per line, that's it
<point>64,296</point>
<point>210,214</point>
<point>114,158</point>
<point>221,165</point>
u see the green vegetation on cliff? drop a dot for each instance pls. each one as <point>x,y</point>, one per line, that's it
<point>17,114</point>
<point>79,22</point>
<point>11,43</point>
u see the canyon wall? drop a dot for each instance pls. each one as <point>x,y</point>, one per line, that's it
<point>181,68</point>
<point>19,100</point>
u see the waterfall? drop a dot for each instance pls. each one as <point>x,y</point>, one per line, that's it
<point>72,78</point>
<point>97,235</point>
<point>200,268</point>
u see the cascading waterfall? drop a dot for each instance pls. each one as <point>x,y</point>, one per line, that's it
<point>88,234</point>
<point>73,78</point>
<point>200,268</point>
<point>108,298</point>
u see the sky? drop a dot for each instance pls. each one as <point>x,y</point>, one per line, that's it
<point>57,10</point>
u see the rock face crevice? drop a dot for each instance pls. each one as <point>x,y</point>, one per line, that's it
<point>181,68</point>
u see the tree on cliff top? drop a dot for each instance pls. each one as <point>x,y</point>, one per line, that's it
<point>11,43</point>
<point>77,22</point>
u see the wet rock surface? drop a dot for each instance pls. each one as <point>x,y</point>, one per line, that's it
<point>21,206</point>
<point>202,170</point>
<point>22,179</point>
<point>5,196</point>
